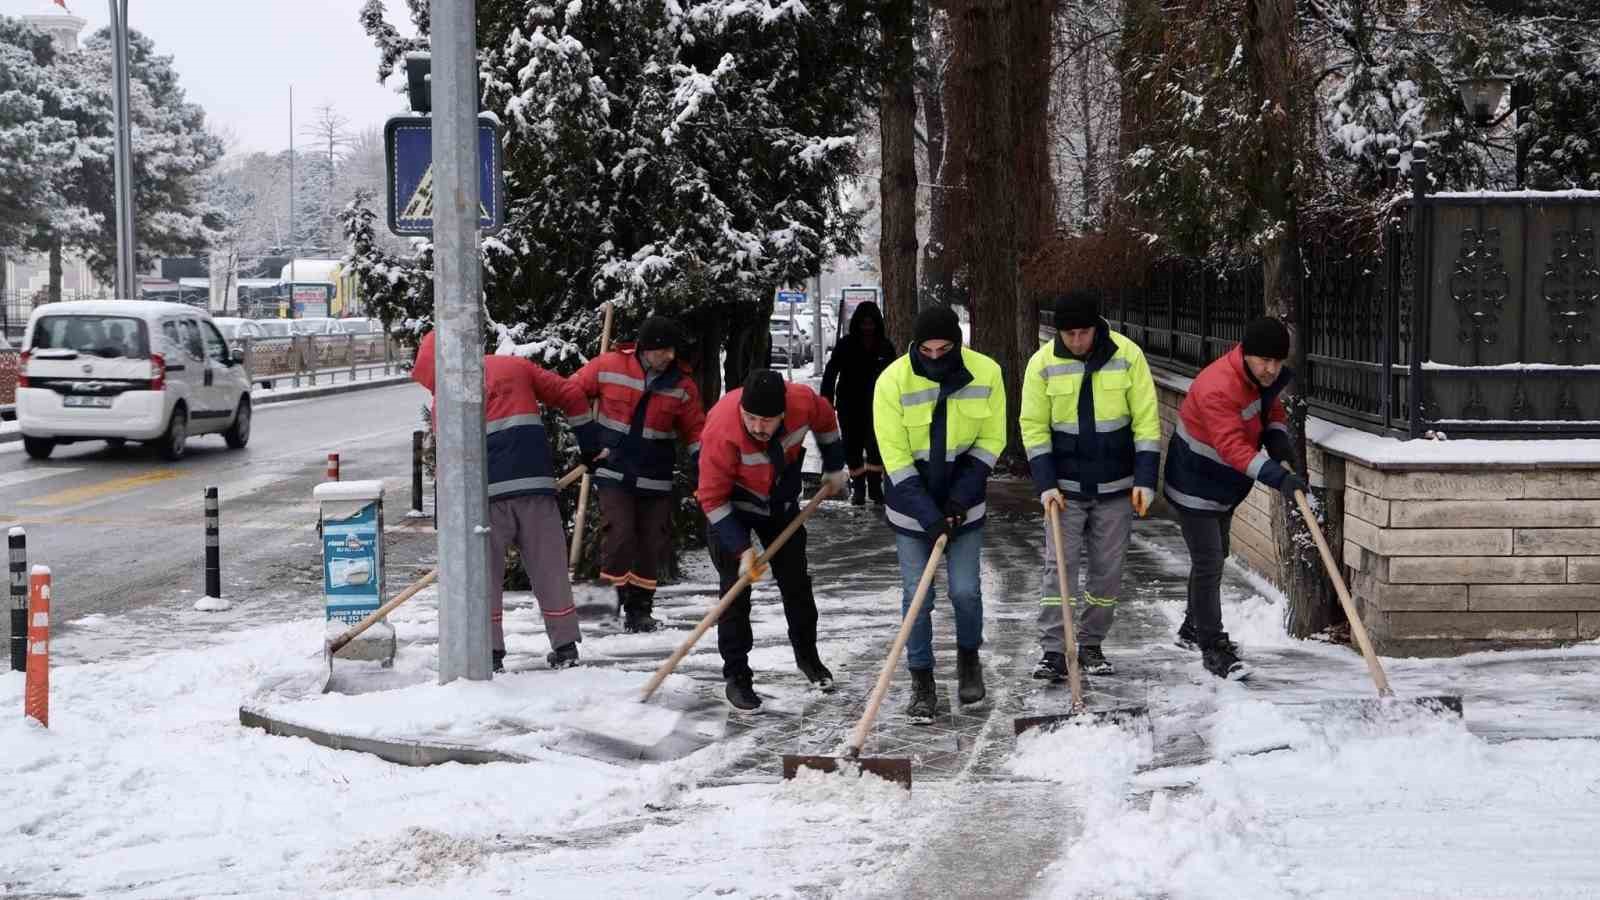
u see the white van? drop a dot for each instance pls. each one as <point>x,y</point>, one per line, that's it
<point>128,370</point>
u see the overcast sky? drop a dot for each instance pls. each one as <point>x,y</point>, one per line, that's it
<point>237,59</point>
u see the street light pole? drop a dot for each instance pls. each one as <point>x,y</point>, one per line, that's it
<point>127,276</point>
<point>463,506</point>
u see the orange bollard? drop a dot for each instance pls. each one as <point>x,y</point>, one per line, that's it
<point>36,691</point>
<point>333,467</point>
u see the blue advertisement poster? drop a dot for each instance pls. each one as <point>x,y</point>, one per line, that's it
<point>352,564</point>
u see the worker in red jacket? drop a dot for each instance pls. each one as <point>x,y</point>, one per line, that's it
<point>648,404</point>
<point>754,442</point>
<point>1232,432</point>
<point>522,491</point>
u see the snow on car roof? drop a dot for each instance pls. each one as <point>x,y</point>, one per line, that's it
<point>116,308</point>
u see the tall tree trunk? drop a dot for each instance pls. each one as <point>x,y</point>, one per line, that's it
<point>897,190</point>
<point>1032,41</point>
<point>1091,154</point>
<point>55,270</point>
<point>938,254</point>
<point>1275,77</point>
<point>986,99</point>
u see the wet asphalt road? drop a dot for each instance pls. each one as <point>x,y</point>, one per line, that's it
<point>123,530</point>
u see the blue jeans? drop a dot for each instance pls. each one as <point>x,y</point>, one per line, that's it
<point>966,593</point>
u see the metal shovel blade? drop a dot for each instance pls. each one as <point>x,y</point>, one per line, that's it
<point>890,768</point>
<point>1120,715</point>
<point>1389,708</point>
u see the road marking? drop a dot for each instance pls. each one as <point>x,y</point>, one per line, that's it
<point>103,489</point>
<point>24,476</point>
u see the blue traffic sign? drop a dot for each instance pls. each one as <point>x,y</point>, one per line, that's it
<point>791,296</point>
<point>408,147</point>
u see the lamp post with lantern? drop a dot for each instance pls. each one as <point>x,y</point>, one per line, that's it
<point>1483,95</point>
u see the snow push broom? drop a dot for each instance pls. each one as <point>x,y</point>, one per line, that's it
<point>1386,698</point>
<point>890,768</point>
<point>641,724</point>
<point>1078,711</point>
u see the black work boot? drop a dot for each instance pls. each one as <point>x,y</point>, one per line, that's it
<point>637,618</point>
<point>1187,639</point>
<point>969,676</point>
<point>858,491</point>
<point>1093,661</point>
<point>624,596</point>
<point>499,660</point>
<point>563,657</point>
<point>875,487</point>
<point>923,708</point>
<point>811,666</point>
<point>1052,667</point>
<point>742,695</point>
<point>1221,658</point>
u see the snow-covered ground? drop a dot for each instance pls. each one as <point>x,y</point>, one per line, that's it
<point>146,785</point>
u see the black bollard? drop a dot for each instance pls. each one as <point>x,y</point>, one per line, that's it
<point>213,546</point>
<point>19,600</point>
<point>416,471</point>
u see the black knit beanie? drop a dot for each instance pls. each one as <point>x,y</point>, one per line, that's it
<point>937,323</point>
<point>659,333</point>
<point>1078,309</point>
<point>763,393</point>
<point>1266,337</point>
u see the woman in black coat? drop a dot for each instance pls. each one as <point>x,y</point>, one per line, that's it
<point>852,373</point>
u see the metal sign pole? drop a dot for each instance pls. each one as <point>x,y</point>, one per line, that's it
<point>819,348</point>
<point>127,284</point>
<point>463,507</point>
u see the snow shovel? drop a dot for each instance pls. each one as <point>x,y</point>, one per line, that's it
<point>1386,698</point>
<point>331,648</point>
<point>1078,710</point>
<point>890,768</point>
<point>583,490</point>
<point>644,724</point>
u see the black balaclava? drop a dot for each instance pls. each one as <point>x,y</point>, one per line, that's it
<point>937,323</point>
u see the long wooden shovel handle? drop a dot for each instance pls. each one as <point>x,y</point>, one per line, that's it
<point>578,471</point>
<point>1068,632</point>
<point>355,630</point>
<point>728,596</point>
<point>858,737</point>
<point>1357,628</point>
<point>583,491</point>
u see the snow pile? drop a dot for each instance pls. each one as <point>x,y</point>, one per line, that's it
<point>213,604</point>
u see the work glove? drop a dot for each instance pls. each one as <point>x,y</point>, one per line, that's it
<point>838,480</point>
<point>1141,499</point>
<point>1052,499</point>
<point>591,458</point>
<point>750,566</point>
<point>938,529</point>
<point>1291,483</point>
<point>955,511</point>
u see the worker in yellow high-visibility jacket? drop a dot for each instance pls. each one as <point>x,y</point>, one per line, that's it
<point>1092,428</point>
<point>940,416</point>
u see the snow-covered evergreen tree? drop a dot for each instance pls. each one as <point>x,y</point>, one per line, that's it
<point>36,140</point>
<point>682,157</point>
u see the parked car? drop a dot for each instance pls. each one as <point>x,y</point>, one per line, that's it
<point>128,370</point>
<point>314,326</point>
<point>233,329</point>
<point>359,325</point>
<point>787,345</point>
<point>274,328</point>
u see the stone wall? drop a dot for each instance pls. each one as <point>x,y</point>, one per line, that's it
<point>1447,557</point>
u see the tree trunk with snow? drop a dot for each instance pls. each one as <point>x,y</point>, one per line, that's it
<point>939,254</point>
<point>1275,77</point>
<point>897,190</point>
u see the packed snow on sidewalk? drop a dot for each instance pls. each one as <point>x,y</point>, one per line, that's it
<point>1300,798</point>
<point>146,785</point>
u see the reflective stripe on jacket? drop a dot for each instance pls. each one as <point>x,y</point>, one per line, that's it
<point>639,427</point>
<point>739,489</point>
<point>906,407</point>
<point>1215,453</point>
<point>1106,443</point>
<point>519,460</point>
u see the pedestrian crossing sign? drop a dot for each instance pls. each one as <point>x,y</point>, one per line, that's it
<point>408,149</point>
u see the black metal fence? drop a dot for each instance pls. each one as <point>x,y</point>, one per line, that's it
<point>1506,315</point>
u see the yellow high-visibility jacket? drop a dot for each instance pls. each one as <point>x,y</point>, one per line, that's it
<point>1096,441</point>
<point>939,441</point>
